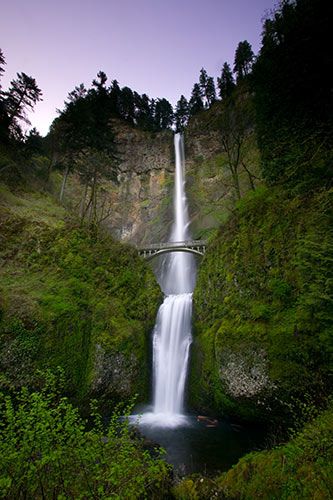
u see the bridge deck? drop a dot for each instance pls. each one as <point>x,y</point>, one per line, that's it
<point>197,247</point>
<point>172,244</point>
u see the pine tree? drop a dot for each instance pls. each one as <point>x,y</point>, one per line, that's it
<point>114,95</point>
<point>23,94</point>
<point>143,112</point>
<point>244,57</point>
<point>2,63</point>
<point>99,84</point>
<point>79,92</point>
<point>196,103</point>
<point>182,113</point>
<point>210,91</point>
<point>126,104</point>
<point>3,115</point>
<point>207,88</point>
<point>226,83</point>
<point>163,114</point>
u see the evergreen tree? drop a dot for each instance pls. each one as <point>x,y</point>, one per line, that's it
<point>182,113</point>
<point>210,91</point>
<point>292,84</point>
<point>34,142</point>
<point>243,60</point>
<point>203,77</point>
<point>226,83</point>
<point>23,94</point>
<point>126,104</point>
<point>207,88</point>
<point>3,115</point>
<point>144,117</point>
<point>79,92</point>
<point>2,63</point>
<point>196,103</point>
<point>114,95</point>
<point>84,137</point>
<point>99,84</point>
<point>163,114</point>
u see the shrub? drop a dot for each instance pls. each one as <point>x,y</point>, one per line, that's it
<point>48,451</point>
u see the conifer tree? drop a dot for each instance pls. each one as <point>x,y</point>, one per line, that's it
<point>196,103</point>
<point>143,111</point>
<point>207,88</point>
<point>79,92</point>
<point>126,104</point>
<point>210,91</point>
<point>182,113</point>
<point>2,63</point>
<point>226,83</point>
<point>114,95</point>
<point>244,57</point>
<point>22,95</point>
<point>3,114</point>
<point>99,83</point>
<point>163,114</point>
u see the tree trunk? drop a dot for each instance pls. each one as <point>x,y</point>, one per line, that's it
<point>235,179</point>
<point>83,201</point>
<point>250,176</point>
<point>63,185</point>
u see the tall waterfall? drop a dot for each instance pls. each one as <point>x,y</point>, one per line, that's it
<point>172,333</point>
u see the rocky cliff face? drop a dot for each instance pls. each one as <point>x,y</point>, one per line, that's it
<point>142,199</point>
<point>206,189</point>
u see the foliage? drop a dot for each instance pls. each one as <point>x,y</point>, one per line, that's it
<point>181,114</point>
<point>163,116</point>
<point>243,60</point>
<point>47,450</point>
<point>302,468</point>
<point>226,82</point>
<point>264,292</point>
<point>207,88</point>
<point>21,97</point>
<point>87,304</point>
<point>293,95</point>
<point>23,94</point>
<point>196,103</point>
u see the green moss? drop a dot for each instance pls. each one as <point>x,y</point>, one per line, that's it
<point>264,288</point>
<point>301,468</point>
<point>72,300</point>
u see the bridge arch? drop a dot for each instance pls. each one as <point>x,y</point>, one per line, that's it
<point>196,247</point>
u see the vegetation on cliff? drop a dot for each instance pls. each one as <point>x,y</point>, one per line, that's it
<point>263,303</point>
<point>263,307</point>
<point>71,298</point>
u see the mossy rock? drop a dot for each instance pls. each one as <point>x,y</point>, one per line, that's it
<point>263,308</point>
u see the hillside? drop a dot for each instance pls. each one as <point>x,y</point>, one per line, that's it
<point>71,299</point>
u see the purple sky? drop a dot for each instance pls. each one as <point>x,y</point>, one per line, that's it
<point>152,46</point>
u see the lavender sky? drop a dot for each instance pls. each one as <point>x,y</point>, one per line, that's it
<point>152,46</point>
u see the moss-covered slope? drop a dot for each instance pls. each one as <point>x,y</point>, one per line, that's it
<point>71,299</point>
<point>264,307</point>
<point>300,469</point>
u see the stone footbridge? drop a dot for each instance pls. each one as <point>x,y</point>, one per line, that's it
<point>196,247</point>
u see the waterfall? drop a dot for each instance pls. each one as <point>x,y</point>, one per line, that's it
<point>172,332</point>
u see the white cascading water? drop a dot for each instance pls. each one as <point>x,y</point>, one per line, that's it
<point>172,333</point>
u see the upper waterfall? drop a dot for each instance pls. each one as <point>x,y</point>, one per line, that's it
<point>179,274</point>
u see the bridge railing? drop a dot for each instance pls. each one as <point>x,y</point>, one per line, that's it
<point>172,244</point>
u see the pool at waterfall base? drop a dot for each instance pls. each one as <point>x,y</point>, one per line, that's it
<point>196,446</point>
